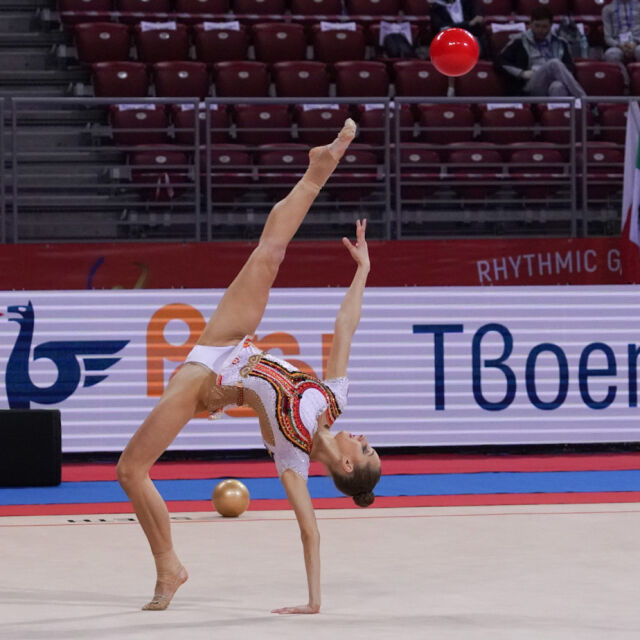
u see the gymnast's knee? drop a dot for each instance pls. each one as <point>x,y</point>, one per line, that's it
<point>129,474</point>
<point>270,254</point>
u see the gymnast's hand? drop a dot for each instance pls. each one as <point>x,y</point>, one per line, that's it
<point>359,251</point>
<point>303,608</point>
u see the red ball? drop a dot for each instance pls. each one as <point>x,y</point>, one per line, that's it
<point>454,52</point>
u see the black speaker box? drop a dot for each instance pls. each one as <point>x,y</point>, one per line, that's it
<point>30,448</point>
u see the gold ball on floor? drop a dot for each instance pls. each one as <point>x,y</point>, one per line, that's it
<point>230,498</point>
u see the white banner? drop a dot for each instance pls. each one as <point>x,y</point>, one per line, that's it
<point>429,366</point>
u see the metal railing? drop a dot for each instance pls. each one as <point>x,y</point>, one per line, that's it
<point>71,173</point>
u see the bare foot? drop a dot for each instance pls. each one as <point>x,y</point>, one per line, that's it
<point>166,586</point>
<point>323,160</point>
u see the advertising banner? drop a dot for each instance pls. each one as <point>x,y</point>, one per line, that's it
<point>429,365</point>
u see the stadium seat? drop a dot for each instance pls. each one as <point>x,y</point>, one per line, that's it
<point>230,170</point>
<point>372,121</point>
<point>299,79</point>
<point>633,68</point>
<point>536,170</point>
<point>361,78</point>
<point>373,7</point>
<point>141,7</point>
<point>181,79</point>
<point>419,78</point>
<point>159,45</point>
<point>419,174</point>
<point>600,78</point>
<point>161,174</point>
<point>445,123</point>
<point>317,125</point>
<point>604,170</point>
<point>183,116</point>
<point>241,79</point>
<point>373,36</point>
<point>501,33</point>
<point>356,175</point>
<point>555,123</point>
<point>280,166</point>
<point>220,45</point>
<point>316,7</point>
<point>613,122</point>
<point>494,7</point>
<point>74,11</point>
<point>262,124</point>
<point>415,8</point>
<point>505,125</point>
<point>120,79</point>
<point>101,41</point>
<point>259,7</point>
<point>139,124</point>
<point>557,7</point>
<point>482,81</point>
<point>587,7</point>
<point>279,41</point>
<point>195,7</point>
<point>476,170</point>
<point>336,45</point>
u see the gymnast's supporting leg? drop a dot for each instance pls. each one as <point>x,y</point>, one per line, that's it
<point>238,314</point>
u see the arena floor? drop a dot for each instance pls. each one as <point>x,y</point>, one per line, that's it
<point>547,571</point>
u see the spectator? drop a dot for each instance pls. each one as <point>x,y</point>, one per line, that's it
<point>538,63</point>
<point>621,22</point>
<point>458,13</point>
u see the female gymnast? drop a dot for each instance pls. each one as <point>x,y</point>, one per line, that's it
<point>295,410</point>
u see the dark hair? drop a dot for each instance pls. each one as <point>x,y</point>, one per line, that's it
<point>541,12</point>
<point>358,484</point>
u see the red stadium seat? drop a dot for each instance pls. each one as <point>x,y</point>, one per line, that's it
<point>536,169</point>
<point>415,8</point>
<point>195,7</point>
<point>184,123</point>
<point>501,33</point>
<point>241,79</point>
<point>161,174</point>
<point>476,170</point>
<point>316,7</point>
<point>419,78</point>
<point>600,78</point>
<point>144,6</point>
<point>613,122</point>
<point>361,78</point>
<point>279,41</point>
<point>445,123</point>
<point>356,175</point>
<point>299,79</point>
<point>159,45</point>
<point>280,166</point>
<point>372,122</point>
<point>230,171</point>
<point>120,79</point>
<point>494,7</point>
<point>555,123</point>
<point>633,69</point>
<point>604,170</point>
<point>557,7</point>
<point>483,81</point>
<point>318,125</point>
<point>334,46</point>
<point>262,124</point>
<point>374,34</point>
<point>101,41</point>
<point>587,7</point>
<point>420,168</point>
<point>509,124</point>
<point>220,45</point>
<point>260,7</point>
<point>373,7</point>
<point>139,124</point>
<point>181,79</point>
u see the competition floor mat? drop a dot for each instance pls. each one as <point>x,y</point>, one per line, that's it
<point>407,481</point>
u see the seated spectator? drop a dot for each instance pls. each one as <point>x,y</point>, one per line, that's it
<point>458,13</point>
<point>538,63</point>
<point>621,22</point>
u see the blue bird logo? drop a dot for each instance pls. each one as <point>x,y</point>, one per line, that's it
<point>21,391</point>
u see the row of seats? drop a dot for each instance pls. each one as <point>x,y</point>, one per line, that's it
<point>467,167</point>
<point>321,7</point>
<point>358,78</point>
<point>273,42</point>
<point>433,123</point>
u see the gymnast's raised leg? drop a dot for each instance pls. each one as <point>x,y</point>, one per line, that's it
<point>237,315</point>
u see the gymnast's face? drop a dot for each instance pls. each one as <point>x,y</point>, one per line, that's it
<point>357,450</point>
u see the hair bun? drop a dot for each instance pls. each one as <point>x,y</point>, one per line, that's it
<point>364,499</point>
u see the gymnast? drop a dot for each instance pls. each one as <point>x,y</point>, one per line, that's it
<point>295,410</point>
